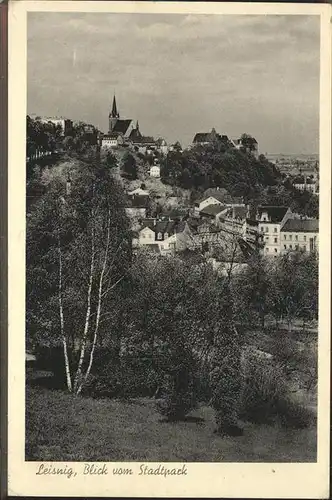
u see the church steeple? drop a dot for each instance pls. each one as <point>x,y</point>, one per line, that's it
<point>113,116</point>
<point>114,113</point>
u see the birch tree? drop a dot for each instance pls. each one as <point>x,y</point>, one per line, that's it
<point>78,249</point>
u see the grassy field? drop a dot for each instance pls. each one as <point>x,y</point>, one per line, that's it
<point>62,427</point>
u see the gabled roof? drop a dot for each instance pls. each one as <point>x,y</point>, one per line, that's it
<point>121,126</point>
<point>213,209</point>
<point>301,226</point>
<point>138,192</point>
<point>135,135</point>
<point>164,226</point>
<point>275,214</point>
<point>238,212</point>
<point>220,194</point>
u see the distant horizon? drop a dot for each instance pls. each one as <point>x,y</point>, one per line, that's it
<point>181,74</point>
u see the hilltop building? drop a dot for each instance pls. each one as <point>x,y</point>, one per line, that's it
<point>205,138</point>
<point>64,124</point>
<point>246,143</point>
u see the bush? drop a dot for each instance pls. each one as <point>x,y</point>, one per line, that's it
<point>179,388</point>
<point>293,414</point>
<point>265,397</point>
<point>264,387</point>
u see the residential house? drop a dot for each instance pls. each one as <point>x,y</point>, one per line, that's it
<point>233,219</point>
<point>137,207</point>
<point>112,140</point>
<point>155,171</point>
<point>304,183</point>
<point>214,211</point>
<point>300,234</point>
<point>216,196</point>
<point>138,192</point>
<point>162,146</point>
<point>246,143</point>
<point>270,221</point>
<point>170,236</point>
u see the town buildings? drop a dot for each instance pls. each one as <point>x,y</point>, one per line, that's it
<point>305,183</point>
<point>299,234</point>
<point>164,235</point>
<point>270,221</point>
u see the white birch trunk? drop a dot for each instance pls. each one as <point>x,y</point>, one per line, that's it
<point>62,323</point>
<point>87,316</point>
<point>100,289</point>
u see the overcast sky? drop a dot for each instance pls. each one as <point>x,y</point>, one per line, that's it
<point>179,74</point>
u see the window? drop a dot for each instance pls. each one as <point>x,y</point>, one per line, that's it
<point>266,238</point>
<point>267,249</point>
<point>285,247</point>
<point>296,247</point>
<point>275,250</point>
<point>291,247</point>
<point>275,240</point>
<point>262,229</point>
<point>143,235</point>
<point>296,237</point>
<point>285,236</point>
<point>275,229</point>
<point>165,236</point>
<point>290,237</point>
<point>267,229</point>
<point>159,236</point>
<point>304,238</point>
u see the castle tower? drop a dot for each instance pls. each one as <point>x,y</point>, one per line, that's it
<point>113,116</point>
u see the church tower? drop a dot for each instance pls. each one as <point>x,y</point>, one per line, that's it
<point>113,116</point>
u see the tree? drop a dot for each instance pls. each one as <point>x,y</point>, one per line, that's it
<point>78,250</point>
<point>293,293</point>
<point>130,167</point>
<point>253,287</point>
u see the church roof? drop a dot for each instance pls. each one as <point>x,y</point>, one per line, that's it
<point>144,140</point>
<point>135,135</point>
<point>121,126</point>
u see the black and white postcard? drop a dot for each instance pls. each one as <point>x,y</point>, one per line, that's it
<point>169,249</point>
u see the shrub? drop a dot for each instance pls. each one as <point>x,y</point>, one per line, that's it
<point>179,388</point>
<point>294,415</point>
<point>264,386</point>
<point>265,397</point>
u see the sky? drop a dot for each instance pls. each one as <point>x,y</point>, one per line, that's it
<point>181,74</point>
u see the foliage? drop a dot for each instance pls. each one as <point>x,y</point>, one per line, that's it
<point>265,396</point>
<point>129,167</point>
<point>294,287</point>
<point>74,261</point>
<point>217,165</point>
